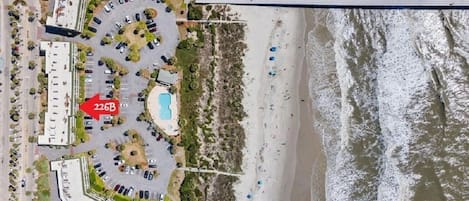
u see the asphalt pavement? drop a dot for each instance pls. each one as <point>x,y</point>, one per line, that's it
<point>130,86</point>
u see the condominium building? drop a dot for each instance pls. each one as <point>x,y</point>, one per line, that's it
<point>67,17</point>
<point>59,120</point>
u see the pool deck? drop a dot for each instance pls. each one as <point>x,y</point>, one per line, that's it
<point>170,127</point>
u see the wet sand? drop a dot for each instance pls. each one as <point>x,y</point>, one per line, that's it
<point>309,174</point>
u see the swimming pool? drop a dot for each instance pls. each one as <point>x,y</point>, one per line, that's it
<point>165,100</point>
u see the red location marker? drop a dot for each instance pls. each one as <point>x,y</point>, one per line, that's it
<point>96,107</point>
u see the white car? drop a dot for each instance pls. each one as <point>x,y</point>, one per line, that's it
<point>107,9</point>
<point>88,80</point>
<point>122,49</point>
<point>107,72</point>
<point>161,197</point>
<point>156,42</point>
<point>127,19</point>
<point>118,25</point>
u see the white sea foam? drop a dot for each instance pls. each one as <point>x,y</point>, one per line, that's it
<point>408,46</point>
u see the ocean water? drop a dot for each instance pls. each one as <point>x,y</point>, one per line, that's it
<point>390,90</point>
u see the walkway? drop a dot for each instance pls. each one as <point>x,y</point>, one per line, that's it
<point>189,169</point>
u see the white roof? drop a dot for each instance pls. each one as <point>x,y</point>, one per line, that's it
<point>59,93</point>
<point>345,2</point>
<point>70,179</point>
<point>67,14</point>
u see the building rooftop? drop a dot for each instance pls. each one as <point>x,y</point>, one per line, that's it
<point>166,77</point>
<point>70,179</point>
<point>59,96</point>
<point>378,3</point>
<point>67,14</point>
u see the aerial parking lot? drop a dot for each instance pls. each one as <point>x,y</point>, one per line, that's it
<point>128,16</point>
<point>139,164</point>
<point>130,156</point>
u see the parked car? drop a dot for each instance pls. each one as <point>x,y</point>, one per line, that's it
<point>97,165</point>
<point>107,72</point>
<point>89,54</point>
<point>122,49</point>
<point>121,1</point>
<point>88,123</point>
<point>108,117</point>
<point>107,122</point>
<point>159,137</point>
<point>150,45</point>
<point>152,30</point>
<point>118,25</point>
<point>131,191</point>
<point>127,19</point>
<point>141,99</point>
<point>87,117</point>
<point>149,21</point>
<point>164,58</point>
<point>140,194</point>
<point>150,176</point>
<point>100,63</point>
<point>121,44</point>
<point>107,9</point>
<point>108,95</point>
<point>137,16</point>
<point>116,188</point>
<point>121,189</point>
<point>125,191</point>
<point>88,80</point>
<point>111,5</point>
<point>168,9</point>
<point>161,196</point>
<point>145,174</point>
<point>156,42</point>
<point>88,71</point>
<point>97,20</point>
<point>147,195</point>
<point>88,127</point>
<point>92,29</point>
<point>151,25</point>
<point>109,81</point>
<point>23,183</point>
<point>102,174</point>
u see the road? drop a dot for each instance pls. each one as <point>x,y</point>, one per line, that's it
<point>4,94</point>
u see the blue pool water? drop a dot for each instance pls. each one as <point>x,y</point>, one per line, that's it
<point>165,100</point>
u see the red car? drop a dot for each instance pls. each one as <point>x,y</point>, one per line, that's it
<point>159,137</point>
<point>116,188</point>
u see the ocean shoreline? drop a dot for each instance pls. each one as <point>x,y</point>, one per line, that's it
<point>309,177</point>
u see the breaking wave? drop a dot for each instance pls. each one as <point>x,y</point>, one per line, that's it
<point>391,93</point>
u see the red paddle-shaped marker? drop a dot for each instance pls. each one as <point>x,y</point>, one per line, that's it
<point>96,107</point>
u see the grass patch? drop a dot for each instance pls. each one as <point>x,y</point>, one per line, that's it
<point>119,197</point>
<point>81,92</point>
<point>96,183</point>
<point>42,182</point>
<point>80,134</point>
<point>190,95</point>
<point>133,33</point>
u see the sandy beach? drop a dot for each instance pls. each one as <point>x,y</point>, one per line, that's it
<point>272,102</point>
